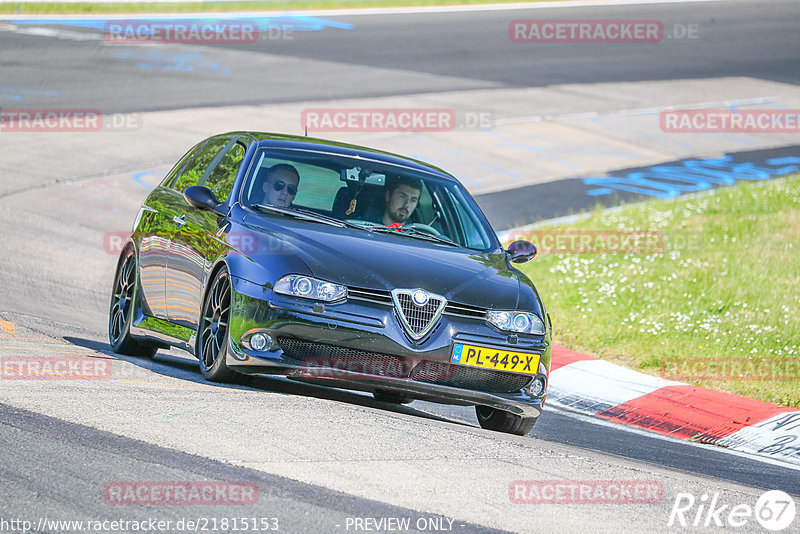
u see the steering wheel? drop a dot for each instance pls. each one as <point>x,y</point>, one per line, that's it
<point>425,228</point>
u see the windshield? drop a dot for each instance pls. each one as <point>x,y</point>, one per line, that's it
<point>372,194</point>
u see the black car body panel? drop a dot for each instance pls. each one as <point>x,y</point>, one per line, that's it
<point>357,342</point>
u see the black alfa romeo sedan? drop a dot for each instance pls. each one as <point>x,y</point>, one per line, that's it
<point>336,264</point>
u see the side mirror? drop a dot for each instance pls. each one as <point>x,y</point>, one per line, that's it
<point>202,198</point>
<point>521,251</point>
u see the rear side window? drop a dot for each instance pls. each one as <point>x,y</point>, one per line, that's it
<point>221,179</point>
<point>178,168</point>
<point>194,171</point>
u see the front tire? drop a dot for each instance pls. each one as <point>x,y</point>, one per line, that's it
<point>213,331</point>
<point>120,313</point>
<point>502,421</point>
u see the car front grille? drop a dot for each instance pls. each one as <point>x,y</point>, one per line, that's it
<point>419,318</point>
<point>465,310</point>
<point>323,356</point>
<point>346,359</point>
<point>379,296</point>
<point>460,376</point>
<point>376,296</point>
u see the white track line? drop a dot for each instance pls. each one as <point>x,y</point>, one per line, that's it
<point>554,406</point>
<point>374,10</point>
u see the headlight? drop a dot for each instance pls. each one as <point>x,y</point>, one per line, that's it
<point>514,321</point>
<point>310,288</point>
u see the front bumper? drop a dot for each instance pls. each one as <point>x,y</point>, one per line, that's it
<point>360,345</point>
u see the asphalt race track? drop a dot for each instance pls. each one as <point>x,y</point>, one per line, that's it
<point>398,54</point>
<point>322,458</point>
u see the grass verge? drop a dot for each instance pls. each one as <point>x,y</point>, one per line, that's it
<point>61,8</point>
<point>719,306</point>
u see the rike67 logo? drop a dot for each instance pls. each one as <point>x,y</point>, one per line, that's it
<point>774,510</point>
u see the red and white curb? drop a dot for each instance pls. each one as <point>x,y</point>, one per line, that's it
<point>601,389</point>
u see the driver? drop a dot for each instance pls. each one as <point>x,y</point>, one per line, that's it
<point>280,185</point>
<point>402,197</point>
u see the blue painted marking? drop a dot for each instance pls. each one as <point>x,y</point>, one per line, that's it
<point>531,148</point>
<point>288,21</point>
<point>782,161</point>
<point>599,191</point>
<point>138,178</point>
<point>642,131</point>
<point>298,22</point>
<point>633,183</point>
<point>463,155</point>
<point>155,59</point>
<point>584,149</point>
<point>575,148</point>
<point>17,90</point>
<point>17,94</point>
<point>463,178</point>
<point>668,181</point>
<point>731,138</point>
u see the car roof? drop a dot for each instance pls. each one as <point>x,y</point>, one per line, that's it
<point>297,142</point>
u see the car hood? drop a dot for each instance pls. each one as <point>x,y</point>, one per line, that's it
<point>382,261</point>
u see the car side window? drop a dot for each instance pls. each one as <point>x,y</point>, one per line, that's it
<point>317,188</point>
<point>178,168</point>
<point>195,169</point>
<point>473,236</point>
<point>221,179</point>
<point>424,212</point>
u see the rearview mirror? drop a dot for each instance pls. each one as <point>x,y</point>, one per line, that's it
<point>202,198</point>
<point>521,251</point>
<point>375,179</point>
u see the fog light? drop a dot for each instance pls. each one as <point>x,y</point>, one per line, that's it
<point>260,342</point>
<point>537,387</point>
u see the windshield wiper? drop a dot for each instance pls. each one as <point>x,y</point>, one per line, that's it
<point>331,219</point>
<point>302,213</point>
<point>413,232</point>
<point>305,214</point>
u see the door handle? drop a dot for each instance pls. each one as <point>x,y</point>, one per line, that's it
<point>179,221</point>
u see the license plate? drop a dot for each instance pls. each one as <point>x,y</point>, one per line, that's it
<point>496,359</point>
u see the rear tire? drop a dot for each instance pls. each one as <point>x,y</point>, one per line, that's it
<point>213,330</point>
<point>392,398</point>
<point>502,421</point>
<point>120,313</point>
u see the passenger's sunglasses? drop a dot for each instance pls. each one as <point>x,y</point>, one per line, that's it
<point>280,184</point>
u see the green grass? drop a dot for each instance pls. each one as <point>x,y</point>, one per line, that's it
<point>718,307</point>
<point>52,8</point>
